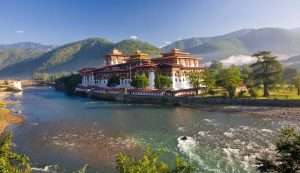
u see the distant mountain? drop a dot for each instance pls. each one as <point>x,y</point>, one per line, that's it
<point>27,46</point>
<point>74,56</point>
<point>293,62</point>
<point>23,59</point>
<point>13,53</point>
<point>245,42</point>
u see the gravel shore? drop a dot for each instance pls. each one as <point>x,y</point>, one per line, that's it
<point>6,116</point>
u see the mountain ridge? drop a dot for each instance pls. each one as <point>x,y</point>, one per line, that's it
<point>74,56</point>
<point>90,52</point>
<point>244,41</point>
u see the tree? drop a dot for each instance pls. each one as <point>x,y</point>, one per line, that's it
<point>230,79</point>
<point>209,80</point>
<point>150,163</point>
<point>68,83</point>
<point>195,78</point>
<point>11,162</point>
<point>248,80</point>
<point>162,81</point>
<point>266,70</point>
<point>287,156</point>
<point>113,81</point>
<point>216,66</point>
<point>297,83</point>
<point>140,81</point>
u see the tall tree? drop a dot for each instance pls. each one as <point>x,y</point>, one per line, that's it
<point>140,81</point>
<point>196,79</point>
<point>216,66</point>
<point>266,70</point>
<point>230,79</point>
<point>296,83</point>
<point>209,79</point>
<point>162,81</point>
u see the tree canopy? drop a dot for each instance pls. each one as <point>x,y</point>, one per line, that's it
<point>209,79</point>
<point>266,70</point>
<point>196,78</point>
<point>230,79</point>
<point>113,81</point>
<point>162,82</point>
<point>296,82</point>
<point>140,81</point>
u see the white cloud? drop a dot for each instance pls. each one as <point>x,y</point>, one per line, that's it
<point>238,60</point>
<point>134,37</point>
<point>20,32</point>
<point>166,43</point>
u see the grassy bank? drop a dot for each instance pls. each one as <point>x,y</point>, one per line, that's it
<point>6,116</point>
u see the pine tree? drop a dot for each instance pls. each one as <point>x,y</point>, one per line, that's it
<point>266,70</point>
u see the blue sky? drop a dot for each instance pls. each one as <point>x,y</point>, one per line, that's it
<point>156,21</point>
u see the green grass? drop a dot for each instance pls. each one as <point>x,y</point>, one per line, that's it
<point>283,93</point>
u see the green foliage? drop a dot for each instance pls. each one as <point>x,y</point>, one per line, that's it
<point>216,67</point>
<point>113,81</point>
<point>150,163</point>
<point>209,79</point>
<point>162,81</point>
<point>13,56</point>
<point>140,81</point>
<point>296,82</point>
<point>130,46</point>
<point>68,83</point>
<point>74,56</point>
<point>287,159</point>
<point>230,79</point>
<point>49,77</point>
<point>11,162</point>
<point>76,52</point>
<point>195,78</point>
<point>266,71</point>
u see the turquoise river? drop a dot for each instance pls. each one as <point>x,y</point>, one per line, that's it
<point>62,133</point>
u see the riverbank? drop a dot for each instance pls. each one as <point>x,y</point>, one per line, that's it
<point>7,118</point>
<point>143,98</point>
<point>268,108</point>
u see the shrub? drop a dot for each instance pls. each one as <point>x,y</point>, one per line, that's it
<point>150,162</point>
<point>287,156</point>
<point>113,81</point>
<point>140,81</point>
<point>11,162</point>
<point>162,82</point>
<point>68,83</point>
<point>253,92</point>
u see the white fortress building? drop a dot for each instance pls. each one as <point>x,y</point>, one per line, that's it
<point>175,64</point>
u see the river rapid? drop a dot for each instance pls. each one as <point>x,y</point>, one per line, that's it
<point>65,132</point>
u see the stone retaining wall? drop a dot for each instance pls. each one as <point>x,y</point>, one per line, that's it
<point>192,101</point>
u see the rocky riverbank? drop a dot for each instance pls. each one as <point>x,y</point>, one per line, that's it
<point>7,118</point>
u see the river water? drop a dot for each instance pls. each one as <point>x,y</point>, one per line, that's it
<point>73,131</point>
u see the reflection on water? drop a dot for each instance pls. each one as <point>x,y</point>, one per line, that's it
<point>71,131</point>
